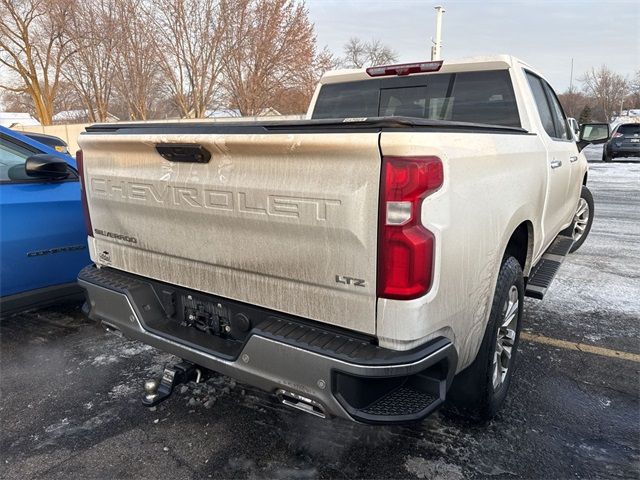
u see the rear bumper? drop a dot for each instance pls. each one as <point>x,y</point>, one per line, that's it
<point>624,151</point>
<point>333,372</point>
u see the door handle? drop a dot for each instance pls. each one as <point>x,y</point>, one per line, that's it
<point>556,164</point>
<point>573,158</point>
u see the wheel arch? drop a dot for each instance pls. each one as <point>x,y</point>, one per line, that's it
<point>520,245</point>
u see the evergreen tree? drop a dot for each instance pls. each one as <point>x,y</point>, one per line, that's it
<point>585,115</point>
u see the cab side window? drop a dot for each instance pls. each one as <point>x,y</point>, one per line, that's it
<point>562,128</point>
<point>544,110</point>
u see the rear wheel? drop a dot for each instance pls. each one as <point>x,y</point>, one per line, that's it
<point>605,156</point>
<point>582,220</point>
<point>479,391</point>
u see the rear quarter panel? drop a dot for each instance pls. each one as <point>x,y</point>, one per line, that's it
<point>492,183</point>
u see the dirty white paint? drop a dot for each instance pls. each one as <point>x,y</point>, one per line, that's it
<point>482,201</point>
<point>270,220</point>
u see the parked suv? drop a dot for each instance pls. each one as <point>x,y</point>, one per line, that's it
<point>624,142</point>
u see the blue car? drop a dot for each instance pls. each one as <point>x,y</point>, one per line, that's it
<point>42,231</point>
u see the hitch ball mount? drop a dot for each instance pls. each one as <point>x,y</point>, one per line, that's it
<point>156,392</point>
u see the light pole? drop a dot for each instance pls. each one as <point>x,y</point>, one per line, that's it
<point>437,43</point>
<point>571,78</point>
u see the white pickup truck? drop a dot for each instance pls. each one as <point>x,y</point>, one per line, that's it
<point>369,262</point>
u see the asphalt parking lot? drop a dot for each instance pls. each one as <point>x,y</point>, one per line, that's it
<point>70,393</point>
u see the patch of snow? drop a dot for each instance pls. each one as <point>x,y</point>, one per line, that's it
<point>135,350</point>
<point>101,360</point>
<point>121,349</point>
<point>123,390</point>
<point>61,425</point>
<point>433,469</point>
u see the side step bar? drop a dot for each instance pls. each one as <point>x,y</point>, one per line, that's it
<point>543,273</point>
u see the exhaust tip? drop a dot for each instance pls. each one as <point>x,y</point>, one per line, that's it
<point>111,329</point>
<point>300,402</point>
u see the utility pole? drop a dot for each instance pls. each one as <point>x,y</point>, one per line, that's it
<point>571,78</point>
<point>437,43</point>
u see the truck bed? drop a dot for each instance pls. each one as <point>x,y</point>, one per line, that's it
<point>283,215</point>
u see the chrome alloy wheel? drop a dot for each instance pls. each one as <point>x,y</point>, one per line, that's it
<point>506,338</point>
<point>581,220</point>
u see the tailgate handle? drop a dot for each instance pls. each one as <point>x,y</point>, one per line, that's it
<point>183,152</point>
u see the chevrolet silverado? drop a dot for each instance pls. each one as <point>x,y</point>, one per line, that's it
<point>369,262</point>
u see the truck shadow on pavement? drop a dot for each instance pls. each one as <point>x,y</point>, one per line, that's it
<point>71,406</point>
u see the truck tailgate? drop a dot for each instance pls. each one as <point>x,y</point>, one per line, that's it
<point>279,220</point>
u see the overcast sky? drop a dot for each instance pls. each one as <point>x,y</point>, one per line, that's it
<point>545,34</point>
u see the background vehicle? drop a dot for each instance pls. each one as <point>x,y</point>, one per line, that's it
<point>353,263</point>
<point>575,127</point>
<point>56,143</point>
<point>624,142</point>
<point>43,235</point>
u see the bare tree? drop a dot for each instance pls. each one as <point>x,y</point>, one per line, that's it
<point>354,53</point>
<point>294,99</point>
<point>607,88</point>
<point>17,102</point>
<point>271,46</point>
<point>360,54</point>
<point>91,69</point>
<point>137,78</point>
<point>573,102</point>
<point>35,48</point>
<point>633,100</point>
<point>299,95</point>
<point>189,37</point>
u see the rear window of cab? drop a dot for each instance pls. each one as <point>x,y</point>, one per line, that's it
<point>476,97</point>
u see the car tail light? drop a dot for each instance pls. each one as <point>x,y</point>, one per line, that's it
<point>404,69</point>
<point>83,193</point>
<point>405,247</point>
<point>618,135</point>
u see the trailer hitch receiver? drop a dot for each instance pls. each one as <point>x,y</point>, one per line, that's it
<point>156,392</point>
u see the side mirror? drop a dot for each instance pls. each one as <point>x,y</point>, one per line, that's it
<point>593,133</point>
<point>46,166</point>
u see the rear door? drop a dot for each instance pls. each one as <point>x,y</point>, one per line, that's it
<point>42,232</point>
<point>286,221</point>
<point>566,137</point>
<point>559,147</point>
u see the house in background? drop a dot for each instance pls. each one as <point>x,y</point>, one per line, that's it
<point>627,116</point>
<point>78,116</point>
<point>234,113</point>
<point>11,119</point>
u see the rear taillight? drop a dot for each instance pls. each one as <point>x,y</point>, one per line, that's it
<point>83,193</point>
<point>405,247</point>
<point>617,135</point>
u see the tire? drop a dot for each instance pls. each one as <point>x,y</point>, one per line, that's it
<point>478,392</point>
<point>605,157</point>
<point>581,225</point>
